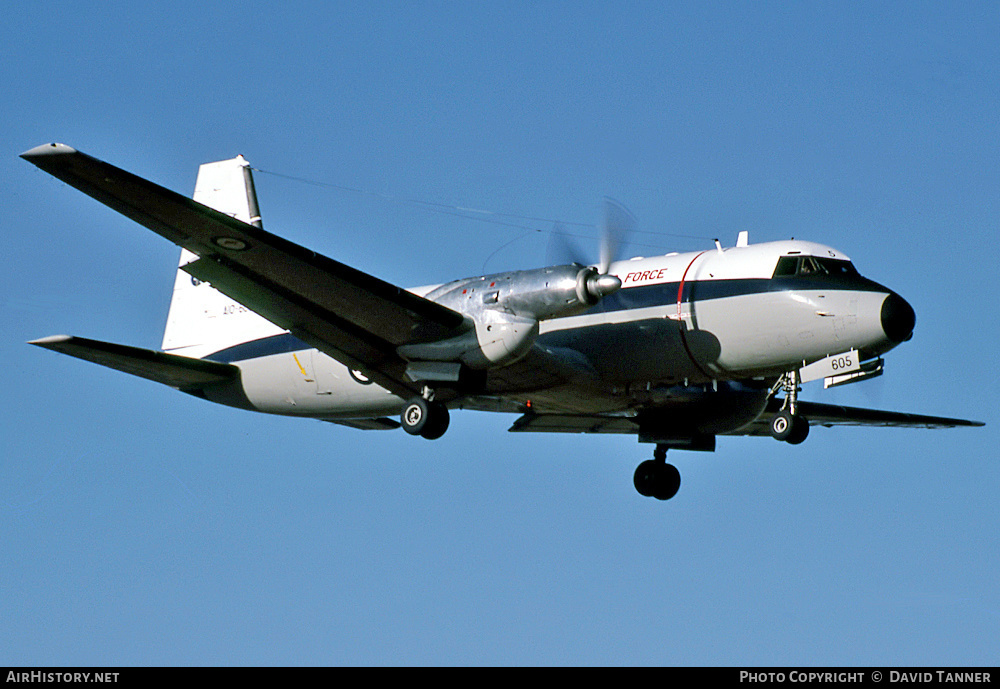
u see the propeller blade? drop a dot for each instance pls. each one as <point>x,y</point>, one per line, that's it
<point>618,223</point>
<point>561,249</point>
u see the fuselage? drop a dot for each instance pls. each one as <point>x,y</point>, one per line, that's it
<point>722,319</point>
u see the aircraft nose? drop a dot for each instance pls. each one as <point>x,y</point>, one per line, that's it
<point>898,318</point>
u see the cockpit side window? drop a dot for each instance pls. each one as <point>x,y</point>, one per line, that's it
<point>787,266</point>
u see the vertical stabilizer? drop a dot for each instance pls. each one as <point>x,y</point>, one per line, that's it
<point>202,320</point>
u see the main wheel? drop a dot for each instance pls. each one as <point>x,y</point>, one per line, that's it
<point>415,415</point>
<point>427,419</point>
<point>656,479</point>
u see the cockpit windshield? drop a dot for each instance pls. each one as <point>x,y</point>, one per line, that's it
<point>813,266</point>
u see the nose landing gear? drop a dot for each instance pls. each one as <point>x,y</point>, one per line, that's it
<point>791,428</point>
<point>788,425</point>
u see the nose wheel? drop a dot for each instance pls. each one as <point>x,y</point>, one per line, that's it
<point>654,478</point>
<point>788,427</point>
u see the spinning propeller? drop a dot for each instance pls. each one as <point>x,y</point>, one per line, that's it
<point>616,224</point>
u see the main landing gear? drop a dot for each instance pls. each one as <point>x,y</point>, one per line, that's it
<point>424,417</point>
<point>788,425</point>
<point>657,479</point>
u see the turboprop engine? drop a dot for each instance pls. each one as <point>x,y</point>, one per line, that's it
<point>537,294</point>
<point>503,311</point>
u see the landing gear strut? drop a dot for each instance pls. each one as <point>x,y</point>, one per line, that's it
<point>655,478</point>
<point>788,425</point>
<point>424,417</point>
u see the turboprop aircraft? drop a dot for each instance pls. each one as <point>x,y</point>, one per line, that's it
<point>675,349</point>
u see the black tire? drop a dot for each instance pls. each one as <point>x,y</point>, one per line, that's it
<point>800,430</point>
<point>788,428</point>
<point>437,423</point>
<point>645,478</point>
<point>668,482</point>
<point>654,479</point>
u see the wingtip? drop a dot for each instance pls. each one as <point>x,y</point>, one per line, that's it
<point>51,340</point>
<point>46,150</point>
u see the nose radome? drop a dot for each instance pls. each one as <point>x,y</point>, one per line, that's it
<point>898,318</point>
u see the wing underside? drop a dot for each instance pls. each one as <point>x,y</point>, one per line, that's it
<point>817,413</point>
<point>829,415</point>
<point>354,317</point>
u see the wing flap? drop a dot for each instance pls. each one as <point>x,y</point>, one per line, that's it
<point>350,315</point>
<point>574,423</point>
<point>175,371</point>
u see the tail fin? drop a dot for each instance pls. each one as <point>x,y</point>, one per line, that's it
<point>202,320</point>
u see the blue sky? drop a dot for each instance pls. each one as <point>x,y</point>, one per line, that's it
<point>140,526</point>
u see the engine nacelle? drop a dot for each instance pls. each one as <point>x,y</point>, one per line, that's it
<point>494,338</point>
<point>504,309</point>
<point>557,291</point>
<point>538,294</point>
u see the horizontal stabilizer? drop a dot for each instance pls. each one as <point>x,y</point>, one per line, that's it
<point>175,371</point>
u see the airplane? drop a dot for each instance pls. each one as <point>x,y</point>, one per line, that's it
<point>675,349</point>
